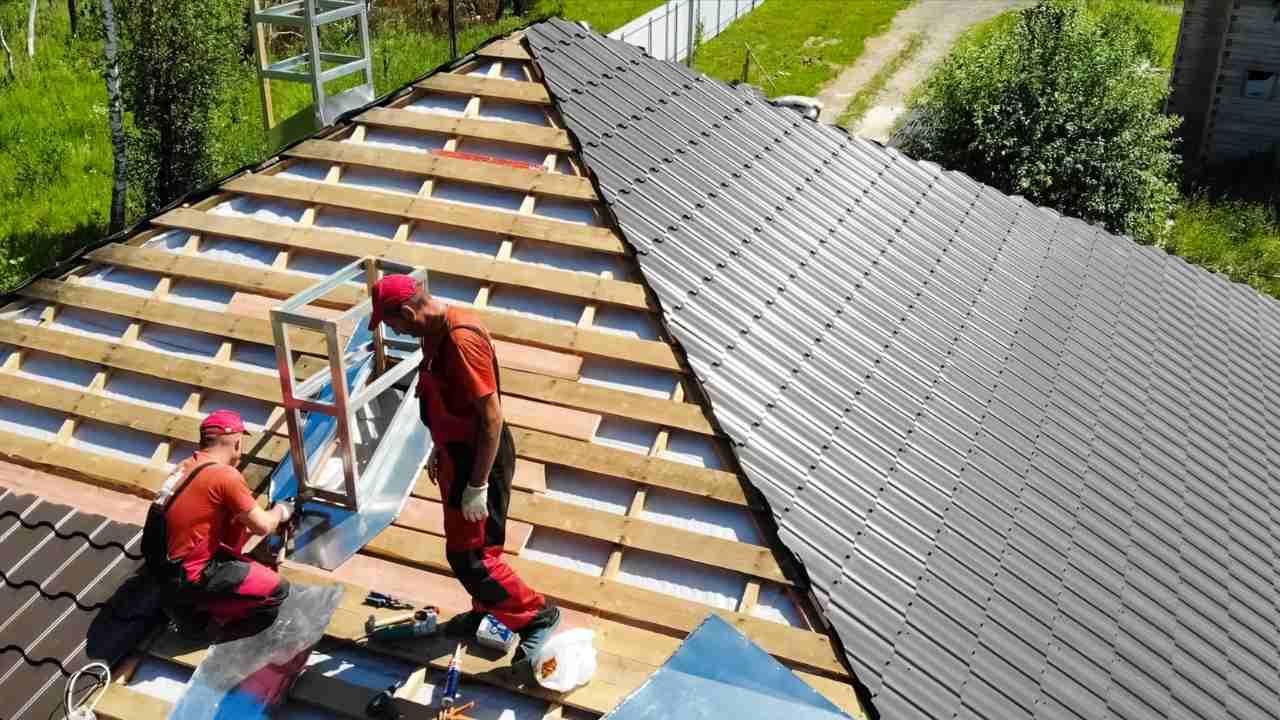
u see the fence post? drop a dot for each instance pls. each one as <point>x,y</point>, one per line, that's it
<point>650,45</point>
<point>453,34</point>
<point>688,48</point>
<point>673,52</point>
<point>746,64</point>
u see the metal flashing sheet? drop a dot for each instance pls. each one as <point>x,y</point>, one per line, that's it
<point>717,673</point>
<point>1030,467</point>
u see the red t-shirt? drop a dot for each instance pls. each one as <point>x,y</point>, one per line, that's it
<point>202,517</point>
<point>464,365</point>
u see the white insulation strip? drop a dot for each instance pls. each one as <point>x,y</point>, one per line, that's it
<point>694,449</point>
<point>384,180</point>
<point>682,578</point>
<point>198,293</point>
<point>91,322</point>
<point>471,241</point>
<point>64,371</point>
<point>573,552</point>
<point>626,434</point>
<point>599,492</point>
<point>626,376</point>
<point>471,194</point>
<point>513,112</point>
<point>402,139</point>
<point>265,209</point>
<point>535,304</point>
<point>379,226</point>
<point>115,441</point>
<point>631,323</point>
<point>576,259</point>
<point>29,420</point>
<point>133,282</point>
<point>170,240</point>
<point>776,606</point>
<point>700,515</point>
<point>149,390</point>
<point>574,211</point>
<point>179,341</point>
<point>440,104</point>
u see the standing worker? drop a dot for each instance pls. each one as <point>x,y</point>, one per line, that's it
<point>472,457</point>
<point>205,515</point>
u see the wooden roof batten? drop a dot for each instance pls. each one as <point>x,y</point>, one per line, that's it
<point>622,610</point>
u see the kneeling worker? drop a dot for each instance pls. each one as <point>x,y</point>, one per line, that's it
<point>208,514</point>
<point>472,457</point>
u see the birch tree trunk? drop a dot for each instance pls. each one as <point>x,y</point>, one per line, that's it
<point>31,29</point>
<point>115,114</point>
<point>8,54</point>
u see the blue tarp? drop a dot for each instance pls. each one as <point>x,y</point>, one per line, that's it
<point>718,673</point>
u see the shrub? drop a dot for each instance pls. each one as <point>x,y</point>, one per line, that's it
<point>176,57</point>
<point>1054,107</point>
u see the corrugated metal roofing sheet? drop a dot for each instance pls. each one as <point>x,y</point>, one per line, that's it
<point>64,600</point>
<point>1028,465</point>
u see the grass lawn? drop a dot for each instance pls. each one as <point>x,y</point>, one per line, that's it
<point>801,44</point>
<point>606,16</point>
<point>1240,239</point>
<point>55,148</point>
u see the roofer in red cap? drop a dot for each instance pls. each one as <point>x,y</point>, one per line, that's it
<point>196,532</point>
<point>472,457</point>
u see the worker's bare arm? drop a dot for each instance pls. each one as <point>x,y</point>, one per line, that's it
<point>488,433</point>
<point>262,522</point>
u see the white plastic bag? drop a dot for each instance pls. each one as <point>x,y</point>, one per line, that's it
<point>566,660</point>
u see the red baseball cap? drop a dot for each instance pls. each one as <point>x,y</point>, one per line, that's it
<point>222,422</point>
<point>389,294</point>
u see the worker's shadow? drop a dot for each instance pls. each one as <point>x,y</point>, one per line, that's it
<point>118,625</point>
<point>124,620</point>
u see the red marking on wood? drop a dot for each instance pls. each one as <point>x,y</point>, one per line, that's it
<point>476,157</point>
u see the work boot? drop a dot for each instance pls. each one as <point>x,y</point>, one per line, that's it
<point>532,638</point>
<point>463,625</point>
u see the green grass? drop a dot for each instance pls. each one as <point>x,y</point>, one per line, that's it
<point>801,44</point>
<point>55,153</point>
<point>55,150</point>
<point>868,94</point>
<point>606,16</point>
<point>1240,239</point>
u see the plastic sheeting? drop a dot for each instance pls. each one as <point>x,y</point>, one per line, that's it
<point>718,673</point>
<point>245,678</point>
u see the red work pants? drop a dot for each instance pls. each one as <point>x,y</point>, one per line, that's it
<point>474,549</point>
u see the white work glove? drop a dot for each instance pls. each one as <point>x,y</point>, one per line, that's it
<point>286,511</point>
<point>433,464</point>
<point>475,502</point>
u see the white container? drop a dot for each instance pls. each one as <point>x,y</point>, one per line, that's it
<point>492,633</point>
<point>567,660</point>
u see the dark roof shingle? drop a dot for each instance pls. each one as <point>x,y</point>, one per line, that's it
<point>65,599</point>
<point>1028,465</point>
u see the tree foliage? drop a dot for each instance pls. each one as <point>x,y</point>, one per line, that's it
<point>176,57</point>
<point>1062,110</point>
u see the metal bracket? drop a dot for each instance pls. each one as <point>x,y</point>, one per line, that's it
<point>307,394</point>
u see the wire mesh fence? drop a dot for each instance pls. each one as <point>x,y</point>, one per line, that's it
<point>671,30</point>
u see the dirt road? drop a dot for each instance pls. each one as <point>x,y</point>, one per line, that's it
<point>941,22</point>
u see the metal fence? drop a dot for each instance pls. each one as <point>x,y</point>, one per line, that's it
<point>667,32</point>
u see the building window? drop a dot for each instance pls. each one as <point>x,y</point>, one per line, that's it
<point>1259,84</point>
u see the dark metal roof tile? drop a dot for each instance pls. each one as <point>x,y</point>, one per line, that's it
<point>1013,419</point>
